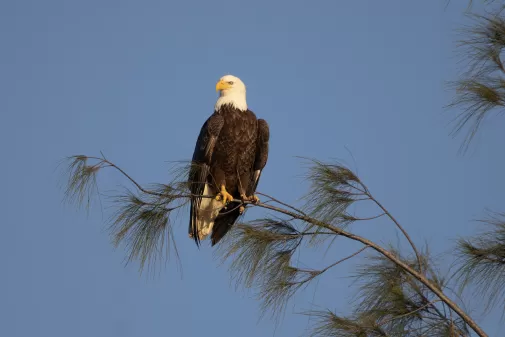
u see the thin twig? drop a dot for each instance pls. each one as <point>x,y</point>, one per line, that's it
<point>314,273</point>
<point>407,236</point>
<point>128,177</point>
<point>282,203</point>
<point>370,218</point>
<point>344,259</point>
<point>409,313</point>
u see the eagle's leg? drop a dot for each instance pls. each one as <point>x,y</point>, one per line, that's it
<point>246,177</point>
<point>224,195</point>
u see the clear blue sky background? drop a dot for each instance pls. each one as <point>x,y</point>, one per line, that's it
<point>136,79</point>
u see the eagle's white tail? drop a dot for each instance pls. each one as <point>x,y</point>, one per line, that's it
<point>207,212</point>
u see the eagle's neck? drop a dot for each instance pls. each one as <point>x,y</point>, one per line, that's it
<point>235,99</point>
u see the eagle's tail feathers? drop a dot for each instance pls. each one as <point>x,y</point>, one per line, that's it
<point>224,221</point>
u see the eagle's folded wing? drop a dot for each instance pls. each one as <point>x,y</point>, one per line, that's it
<point>261,153</point>
<point>200,166</point>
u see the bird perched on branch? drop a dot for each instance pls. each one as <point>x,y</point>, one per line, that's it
<point>230,154</point>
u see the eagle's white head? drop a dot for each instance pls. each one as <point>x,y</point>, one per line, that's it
<point>231,91</point>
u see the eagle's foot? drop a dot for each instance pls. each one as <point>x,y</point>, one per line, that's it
<point>224,195</point>
<point>241,209</point>
<point>254,198</point>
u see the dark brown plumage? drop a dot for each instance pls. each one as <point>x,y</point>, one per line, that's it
<point>231,150</point>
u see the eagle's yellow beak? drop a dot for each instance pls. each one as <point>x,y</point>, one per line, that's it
<point>222,85</point>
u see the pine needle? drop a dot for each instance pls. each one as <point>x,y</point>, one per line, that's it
<point>482,261</point>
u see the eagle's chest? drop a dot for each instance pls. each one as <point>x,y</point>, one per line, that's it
<point>239,130</point>
<point>236,144</point>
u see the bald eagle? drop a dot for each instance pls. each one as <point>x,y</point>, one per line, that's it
<point>230,154</point>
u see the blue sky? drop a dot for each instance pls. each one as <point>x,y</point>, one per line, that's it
<point>136,80</point>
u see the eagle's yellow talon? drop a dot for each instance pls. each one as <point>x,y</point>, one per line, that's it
<point>254,198</point>
<point>227,197</point>
<point>241,209</point>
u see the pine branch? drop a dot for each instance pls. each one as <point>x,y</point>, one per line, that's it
<point>341,178</point>
<point>267,246</point>
<point>398,301</point>
<point>81,180</point>
<point>144,225</point>
<point>142,220</point>
<point>334,189</point>
<point>262,251</point>
<point>387,254</point>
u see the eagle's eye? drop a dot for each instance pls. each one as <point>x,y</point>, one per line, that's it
<point>230,82</point>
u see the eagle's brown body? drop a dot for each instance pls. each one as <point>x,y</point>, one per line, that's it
<point>231,150</point>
